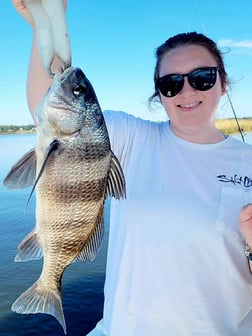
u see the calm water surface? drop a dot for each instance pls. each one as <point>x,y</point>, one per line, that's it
<point>82,284</point>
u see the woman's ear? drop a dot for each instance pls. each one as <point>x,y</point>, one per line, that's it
<point>224,88</point>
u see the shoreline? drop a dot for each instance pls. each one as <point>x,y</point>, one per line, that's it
<point>17,132</point>
<point>17,129</point>
<point>227,126</point>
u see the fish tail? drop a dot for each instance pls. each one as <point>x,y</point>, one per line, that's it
<point>39,299</point>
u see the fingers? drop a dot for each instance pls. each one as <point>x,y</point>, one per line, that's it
<point>51,33</point>
<point>56,13</point>
<point>44,35</point>
<point>23,11</point>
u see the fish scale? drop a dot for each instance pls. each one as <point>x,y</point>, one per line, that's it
<point>75,169</point>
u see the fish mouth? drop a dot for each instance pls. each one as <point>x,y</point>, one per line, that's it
<point>61,73</point>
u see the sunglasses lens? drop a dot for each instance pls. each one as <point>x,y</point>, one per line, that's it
<point>170,85</point>
<point>203,79</point>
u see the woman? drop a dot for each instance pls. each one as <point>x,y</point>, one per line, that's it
<point>176,256</point>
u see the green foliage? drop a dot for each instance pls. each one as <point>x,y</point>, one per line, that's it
<point>9,129</point>
<point>229,126</point>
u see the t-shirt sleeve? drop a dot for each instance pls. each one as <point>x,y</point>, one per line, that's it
<point>121,128</point>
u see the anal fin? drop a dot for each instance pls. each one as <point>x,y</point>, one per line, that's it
<point>29,248</point>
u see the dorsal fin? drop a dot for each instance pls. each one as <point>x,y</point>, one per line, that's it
<point>116,183</point>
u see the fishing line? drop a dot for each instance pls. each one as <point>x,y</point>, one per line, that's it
<point>228,96</point>
<point>236,119</point>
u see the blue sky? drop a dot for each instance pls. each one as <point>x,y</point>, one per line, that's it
<point>114,43</point>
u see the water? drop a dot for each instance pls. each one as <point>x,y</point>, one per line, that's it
<point>82,284</point>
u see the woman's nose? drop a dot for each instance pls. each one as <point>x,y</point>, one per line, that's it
<point>187,89</point>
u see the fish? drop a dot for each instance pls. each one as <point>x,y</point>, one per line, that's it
<point>51,33</point>
<point>72,169</point>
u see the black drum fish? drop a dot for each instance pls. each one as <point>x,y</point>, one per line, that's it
<point>73,170</point>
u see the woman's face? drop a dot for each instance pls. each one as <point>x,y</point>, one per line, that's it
<point>191,112</point>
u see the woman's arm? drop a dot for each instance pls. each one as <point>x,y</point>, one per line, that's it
<point>38,80</point>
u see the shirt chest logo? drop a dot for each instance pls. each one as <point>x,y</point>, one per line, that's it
<point>237,180</point>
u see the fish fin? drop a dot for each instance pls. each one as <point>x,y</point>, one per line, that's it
<point>29,248</point>
<point>23,173</point>
<point>93,244</point>
<point>116,183</point>
<point>54,145</point>
<point>39,299</point>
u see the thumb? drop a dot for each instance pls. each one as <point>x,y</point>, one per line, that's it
<point>23,11</point>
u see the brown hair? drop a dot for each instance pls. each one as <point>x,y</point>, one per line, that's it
<point>186,39</point>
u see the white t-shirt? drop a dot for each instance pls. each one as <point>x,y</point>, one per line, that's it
<point>176,264</point>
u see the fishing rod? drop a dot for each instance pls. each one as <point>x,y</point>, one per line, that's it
<point>236,119</point>
<point>228,96</point>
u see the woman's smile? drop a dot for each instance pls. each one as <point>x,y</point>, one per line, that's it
<point>189,107</point>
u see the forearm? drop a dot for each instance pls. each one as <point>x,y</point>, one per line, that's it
<point>38,80</point>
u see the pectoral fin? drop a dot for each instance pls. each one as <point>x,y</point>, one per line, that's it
<point>23,173</point>
<point>116,183</point>
<point>54,145</point>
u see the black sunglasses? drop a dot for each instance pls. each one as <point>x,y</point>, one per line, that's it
<point>201,79</point>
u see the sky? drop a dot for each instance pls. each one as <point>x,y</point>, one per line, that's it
<point>114,43</point>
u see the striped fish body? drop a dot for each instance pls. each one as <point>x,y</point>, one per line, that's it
<point>70,198</point>
<point>73,170</point>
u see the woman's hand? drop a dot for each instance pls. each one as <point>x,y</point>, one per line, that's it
<point>52,39</point>
<point>245,221</point>
<point>36,89</point>
<point>23,11</point>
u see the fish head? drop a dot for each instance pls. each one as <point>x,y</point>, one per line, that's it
<point>70,106</point>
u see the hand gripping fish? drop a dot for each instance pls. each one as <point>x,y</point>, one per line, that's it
<point>75,170</point>
<point>51,32</point>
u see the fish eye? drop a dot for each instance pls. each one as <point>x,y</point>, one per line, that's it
<point>78,90</point>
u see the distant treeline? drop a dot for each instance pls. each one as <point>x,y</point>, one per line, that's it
<point>9,129</point>
<point>227,126</point>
